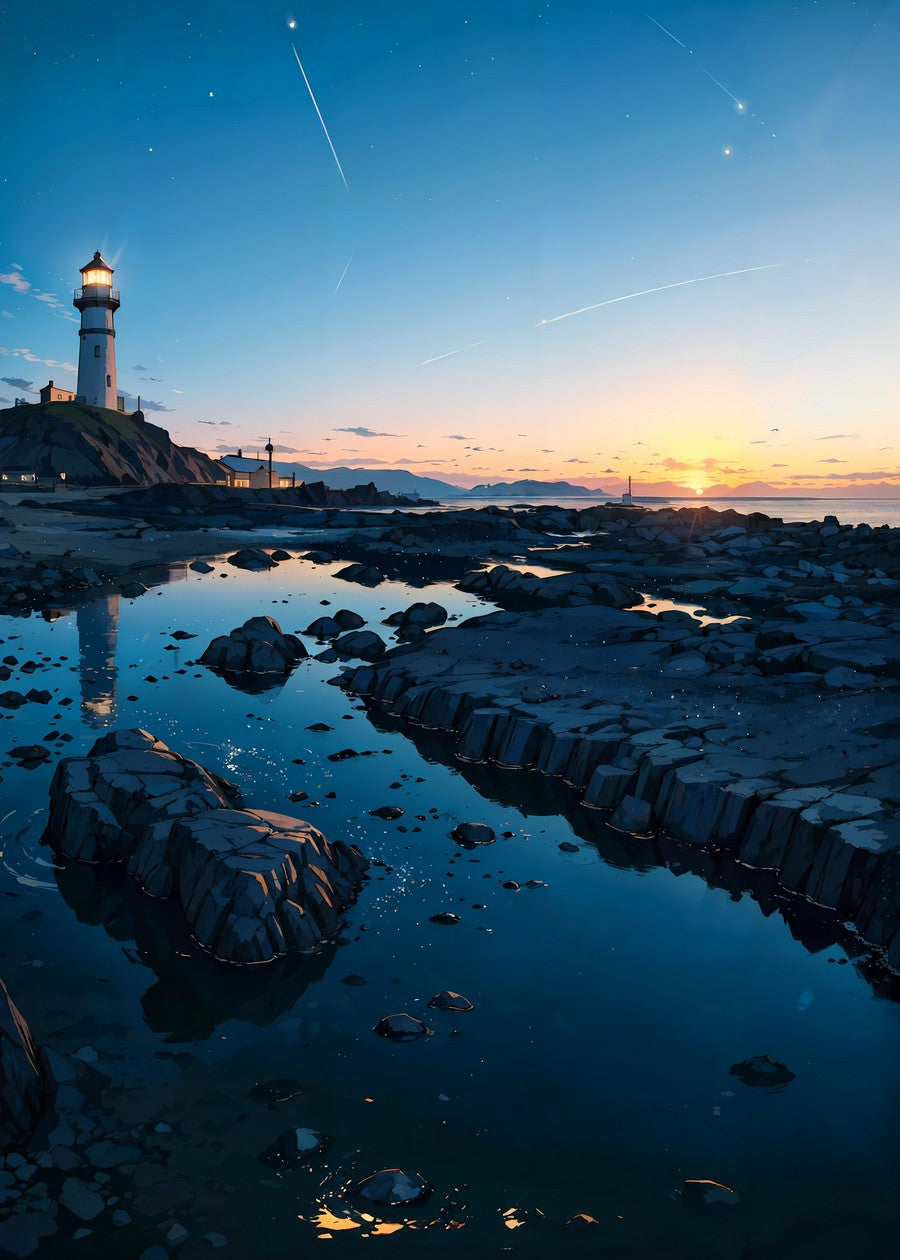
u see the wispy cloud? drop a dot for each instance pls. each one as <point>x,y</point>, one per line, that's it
<point>17,281</point>
<point>19,382</point>
<point>833,437</point>
<point>22,352</point>
<point>360,430</point>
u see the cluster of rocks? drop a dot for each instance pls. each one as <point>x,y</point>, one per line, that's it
<point>258,646</point>
<point>514,588</point>
<point>30,586</point>
<point>252,884</point>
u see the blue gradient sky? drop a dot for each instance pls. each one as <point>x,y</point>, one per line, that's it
<point>506,162</point>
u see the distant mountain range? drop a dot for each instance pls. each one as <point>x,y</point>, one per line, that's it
<point>533,489</point>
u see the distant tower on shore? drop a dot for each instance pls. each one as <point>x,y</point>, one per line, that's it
<point>626,497</point>
<point>98,301</point>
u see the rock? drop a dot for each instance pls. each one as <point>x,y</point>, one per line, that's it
<point>349,620</point>
<point>253,885</point>
<point>25,1081</point>
<point>365,574</point>
<point>568,847</point>
<point>134,590</point>
<point>280,554</point>
<point>258,646</point>
<point>468,835</point>
<point>762,1070</point>
<point>177,1234</point>
<point>395,1187</point>
<point>363,643</point>
<point>581,1223</point>
<point>12,700</point>
<point>709,1193</point>
<point>201,566</point>
<point>81,1201</point>
<point>294,1148</point>
<point>30,755</point>
<point>252,558</point>
<point>446,918</point>
<point>401,1027</point>
<point>20,1235</point>
<point>447,1000</point>
<point>632,815</point>
<point>323,628</point>
<point>388,812</point>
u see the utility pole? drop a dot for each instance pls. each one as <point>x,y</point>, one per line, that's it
<point>269,449</point>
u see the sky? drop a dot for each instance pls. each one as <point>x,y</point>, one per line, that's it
<point>482,241</point>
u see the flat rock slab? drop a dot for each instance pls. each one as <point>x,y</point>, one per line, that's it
<point>252,884</point>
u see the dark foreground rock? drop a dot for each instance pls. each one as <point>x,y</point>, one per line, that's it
<point>762,1069</point>
<point>253,885</point>
<point>23,1076</point>
<point>259,646</point>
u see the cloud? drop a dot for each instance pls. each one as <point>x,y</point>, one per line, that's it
<point>833,437</point>
<point>177,391</point>
<point>457,437</point>
<point>5,400</point>
<point>147,404</point>
<point>7,314</point>
<point>19,283</point>
<point>22,352</point>
<point>227,450</point>
<point>778,465</point>
<point>155,379</point>
<point>361,431</point>
<point>222,423</point>
<point>831,461</point>
<point>575,460</point>
<point>18,382</point>
<point>879,475</point>
<point>138,367</point>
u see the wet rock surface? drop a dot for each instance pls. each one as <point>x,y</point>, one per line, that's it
<point>259,646</point>
<point>762,1069</point>
<point>401,1027</point>
<point>395,1187</point>
<point>253,885</point>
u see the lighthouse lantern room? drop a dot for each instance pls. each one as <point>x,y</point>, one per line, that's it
<point>97,301</point>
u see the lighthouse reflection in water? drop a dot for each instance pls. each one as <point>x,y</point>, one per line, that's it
<point>98,627</point>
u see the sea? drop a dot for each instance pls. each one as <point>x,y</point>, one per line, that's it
<point>615,982</point>
<point>848,511</point>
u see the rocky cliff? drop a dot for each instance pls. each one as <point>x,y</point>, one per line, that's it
<point>95,446</point>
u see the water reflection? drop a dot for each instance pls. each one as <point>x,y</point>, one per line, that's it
<point>193,993</point>
<point>98,626</point>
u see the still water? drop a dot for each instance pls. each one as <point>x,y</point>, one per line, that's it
<point>609,1002</point>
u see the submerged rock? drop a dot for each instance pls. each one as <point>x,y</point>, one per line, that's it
<point>401,1027</point>
<point>445,917</point>
<point>447,1000</point>
<point>365,574</point>
<point>709,1193</point>
<point>294,1148</point>
<point>252,884</point>
<point>252,558</point>
<point>258,646</point>
<point>468,834</point>
<point>762,1069</point>
<point>395,1187</point>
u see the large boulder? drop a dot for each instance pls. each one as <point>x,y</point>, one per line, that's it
<point>252,884</point>
<point>259,646</point>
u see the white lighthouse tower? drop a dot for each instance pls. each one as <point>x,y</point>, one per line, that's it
<point>97,300</point>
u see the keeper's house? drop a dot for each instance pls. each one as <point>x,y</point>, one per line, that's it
<point>254,473</point>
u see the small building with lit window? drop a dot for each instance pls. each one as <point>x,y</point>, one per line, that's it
<point>254,473</point>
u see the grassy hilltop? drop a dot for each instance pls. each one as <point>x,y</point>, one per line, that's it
<point>96,446</point>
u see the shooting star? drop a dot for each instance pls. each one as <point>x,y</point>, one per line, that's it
<point>425,362</point>
<point>740,104</point>
<point>321,119</point>
<point>665,32</point>
<point>626,297</point>
<point>343,273</point>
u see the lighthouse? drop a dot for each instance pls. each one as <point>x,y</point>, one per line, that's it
<point>98,301</point>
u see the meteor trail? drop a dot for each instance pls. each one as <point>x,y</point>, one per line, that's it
<point>739,104</point>
<point>626,297</point>
<point>343,273</point>
<point>321,119</point>
<point>664,31</point>
<point>425,362</point>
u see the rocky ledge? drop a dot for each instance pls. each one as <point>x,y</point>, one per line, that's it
<point>253,885</point>
<point>773,741</point>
